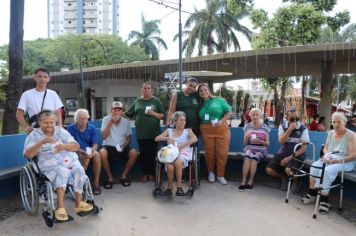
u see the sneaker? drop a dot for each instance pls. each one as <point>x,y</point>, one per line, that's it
<point>284,183</point>
<point>222,180</point>
<point>308,199</point>
<point>211,177</point>
<point>41,199</point>
<point>242,188</point>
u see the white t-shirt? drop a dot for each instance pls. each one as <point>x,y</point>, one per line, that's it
<point>31,101</point>
<point>118,133</point>
<point>304,138</point>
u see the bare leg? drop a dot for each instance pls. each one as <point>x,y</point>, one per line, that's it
<point>60,197</point>
<point>273,173</point>
<point>311,183</point>
<point>170,175</point>
<point>78,199</point>
<point>253,169</point>
<point>132,159</point>
<point>245,170</point>
<point>105,163</point>
<point>96,169</point>
<point>178,165</point>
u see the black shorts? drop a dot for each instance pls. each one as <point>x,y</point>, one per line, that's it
<point>114,154</point>
<point>275,164</point>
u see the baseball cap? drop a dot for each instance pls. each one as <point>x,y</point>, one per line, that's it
<point>117,105</point>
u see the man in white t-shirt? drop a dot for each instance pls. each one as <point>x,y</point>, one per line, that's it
<point>116,133</point>
<point>39,98</point>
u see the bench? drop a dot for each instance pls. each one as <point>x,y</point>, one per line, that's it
<point>11,156</point>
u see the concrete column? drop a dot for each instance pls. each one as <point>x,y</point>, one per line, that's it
<point>211,85</point>
<point>326,89</point>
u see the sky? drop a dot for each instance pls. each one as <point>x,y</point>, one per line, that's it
<point>35,21</point>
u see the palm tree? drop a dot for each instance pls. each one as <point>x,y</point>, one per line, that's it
<point>346,35</point>
<point>149,38</point>
<point>214,28</point>
<point>14,86</point>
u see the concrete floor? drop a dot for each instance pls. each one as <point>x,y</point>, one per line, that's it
<point>214,210</point>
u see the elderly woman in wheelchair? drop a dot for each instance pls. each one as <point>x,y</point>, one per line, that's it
<point>55,150</point>
<point>179,140</point>
<point>339,155</point>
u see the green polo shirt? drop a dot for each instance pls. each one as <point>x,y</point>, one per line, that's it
<point>214,108</point>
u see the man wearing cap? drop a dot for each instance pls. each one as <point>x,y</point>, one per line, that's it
<point>116,133</point>
<point>290,133</point>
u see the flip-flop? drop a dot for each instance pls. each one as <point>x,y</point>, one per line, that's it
<point>180,192</point>
<point>96,190</point>
<point>125,182</point>
<point>61,216</point>
<point>108,184</point>
<point>83,207</point>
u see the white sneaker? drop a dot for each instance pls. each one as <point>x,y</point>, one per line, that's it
<point>222,180</point>
<point>211,177</point>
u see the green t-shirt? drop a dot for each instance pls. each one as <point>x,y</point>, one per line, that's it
<point>190,105</point>
<point>147,126</point>
<point>214,108</point>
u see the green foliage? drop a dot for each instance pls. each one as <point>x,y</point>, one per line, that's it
<point>239,7</point>
<point>63,52</point>
<point>352,88</point>
<point>148,39</point>
<point>258,17</point>
<point>226,93</point>
<point>214,27</point>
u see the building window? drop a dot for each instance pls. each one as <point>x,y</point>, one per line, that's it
<point>69,22</point>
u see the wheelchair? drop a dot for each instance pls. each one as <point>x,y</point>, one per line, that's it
<point>193,170</point>
<point>301,172</point>
<point>36,190</point>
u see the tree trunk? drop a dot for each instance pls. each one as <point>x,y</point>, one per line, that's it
<point>304,84</point>
<point>275,105</point>
<point>14,88</point>
<point>326,88</point>
<point>282,101</point>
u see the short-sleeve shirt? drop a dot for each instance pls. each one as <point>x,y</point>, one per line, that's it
<point>298,135</point>
<point>118,133</point>
<point>87,138</point>
<point>214,108</point>
<point>147,126</point>
<point>46,156</point>
<point>261,132</point>
<point>190,105</point>
<point>31,101</point>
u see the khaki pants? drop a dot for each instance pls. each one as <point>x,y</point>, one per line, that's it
<point>216,146</point>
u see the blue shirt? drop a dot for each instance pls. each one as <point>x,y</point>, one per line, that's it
<point>87,138</point>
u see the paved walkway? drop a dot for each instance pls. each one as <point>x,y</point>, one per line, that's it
<point>214,210</point>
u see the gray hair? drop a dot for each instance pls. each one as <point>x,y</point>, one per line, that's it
<point>46,113</point>
<point>80,111</point>
<point>255,109</point>
<point>177,114</point>
<point>339,116</point>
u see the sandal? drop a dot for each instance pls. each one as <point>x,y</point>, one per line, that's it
<point>180,192</point>
<point>249,186</point>
<point>125,182</point>
<point>83,207</point>
<point>61,215</point>
<point>308,199</point>
<point>168,192</point>
<point>324,207</point>
<point>108,184</point>
<point>96,190</point>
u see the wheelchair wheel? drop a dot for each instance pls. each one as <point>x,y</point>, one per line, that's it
<point>196,166</point>
<point>28,190</point>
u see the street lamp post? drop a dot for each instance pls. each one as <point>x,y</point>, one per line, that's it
<point>82,91</point>
<point>180,45</point>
